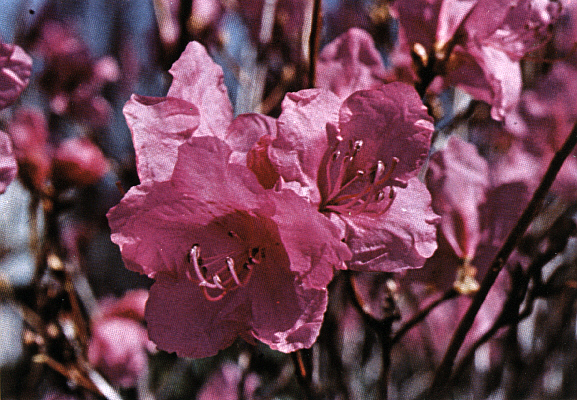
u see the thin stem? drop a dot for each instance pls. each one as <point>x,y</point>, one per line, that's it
<point>441,380</point>
<point>314,40</point>
<point>421,315</point>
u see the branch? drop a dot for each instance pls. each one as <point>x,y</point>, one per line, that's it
<point>441,380</point>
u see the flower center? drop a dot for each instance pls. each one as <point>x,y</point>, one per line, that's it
<point>354,185</point>
<point>218,275</point>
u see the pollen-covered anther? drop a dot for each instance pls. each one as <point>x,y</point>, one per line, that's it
<point>226,278</point>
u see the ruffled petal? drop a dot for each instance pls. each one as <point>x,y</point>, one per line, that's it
<point>198,80</point>
<point>402,237</point>
<point>159,125</point>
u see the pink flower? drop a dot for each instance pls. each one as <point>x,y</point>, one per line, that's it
<point>119,341</point>
<point>458,178</point>
<point>15,70</point>
<point>357,161</point>
<point>229,257</point>
<point>71,78</point>
<point>79,161</point>
<point>477,44</point>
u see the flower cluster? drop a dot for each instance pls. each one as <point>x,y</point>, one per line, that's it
<point>243,221</point>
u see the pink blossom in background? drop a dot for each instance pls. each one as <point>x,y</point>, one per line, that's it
<point>79,161</point>
<point>487,38</point>
<point>15,70</point>
<point>8,165</point>
<point>119,341</point>
<point>458,178</point>
<point>29,132</point>
<point>357,162</point>
<point>349,63</point>
<point>71,78</point>
<point>228,383</point>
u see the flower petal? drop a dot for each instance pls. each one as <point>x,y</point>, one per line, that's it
<point>391,122</point>
<point>159,125</point>
<point>181,320</point>
<point>198,80</point>
<point>15,71</point>
<point>8,166</point>
<point>349,63</point>
<point>403,237</point>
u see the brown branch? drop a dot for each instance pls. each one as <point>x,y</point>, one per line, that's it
<point>314,41</point>
<point>441,380</point>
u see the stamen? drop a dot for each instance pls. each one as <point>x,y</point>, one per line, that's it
<point>224,279</point>
<point>230,265</point>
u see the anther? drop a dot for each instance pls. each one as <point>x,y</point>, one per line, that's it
<point>230,265</point>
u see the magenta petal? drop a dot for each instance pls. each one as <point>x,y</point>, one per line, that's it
<point>418,19</point>
<point>451,16</point>
<point>458,178</point>
<point>159,125</point>
<point>198,80</point>
<point>311,240</point>
<point>391,122</point>
<point>402,237</point>
<point>302,138</point>
<point>15,70</point>
<point>244,131</point>
<point>312,305</point>
<point>8,165</point>
<point>181,320</point>
<point>349,63</point>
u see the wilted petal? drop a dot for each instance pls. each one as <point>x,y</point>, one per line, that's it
<point>15,70</point>
<point>198,80</point>
<point>349,63</point>
<point>159,125</point>
<point>402,237</point>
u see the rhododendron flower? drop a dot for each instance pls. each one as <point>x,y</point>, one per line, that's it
<point>357,162</point>
<point>229,258</point>
<point>119,341</point>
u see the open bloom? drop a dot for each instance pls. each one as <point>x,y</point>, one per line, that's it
<point>357,161</point>
<point>229,257</point>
